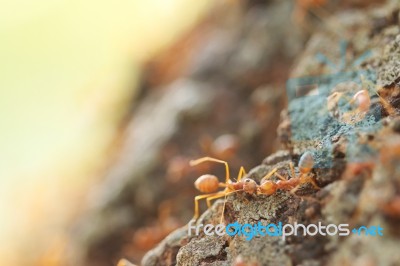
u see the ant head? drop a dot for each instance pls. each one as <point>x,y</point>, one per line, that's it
<point>268,187</point>
<point>249,185</point>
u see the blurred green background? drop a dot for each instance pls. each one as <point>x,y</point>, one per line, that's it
<point>68,73</point>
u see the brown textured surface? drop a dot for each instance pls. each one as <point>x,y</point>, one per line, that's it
<point>358,192</point>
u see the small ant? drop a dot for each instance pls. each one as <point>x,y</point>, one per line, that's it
<point>363,98</point>
<point>210,184</point>
<point>306,163</point>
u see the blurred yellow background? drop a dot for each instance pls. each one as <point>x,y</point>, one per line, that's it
<point>68,72</point>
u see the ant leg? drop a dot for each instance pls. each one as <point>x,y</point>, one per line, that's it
<point>221,194</point>
<point>216,196</point>
<point>242,173</point>
<point>313,183</point>
<point>210,159</point>
<point>280,177</point>
<point>223,209</point>
<point>271,173</point>
<point>267,176</point>
<point>292,170</point>
<point>307,178</point>
<point>293,191</point>
<point>196,204</point>
<point>386,105</point>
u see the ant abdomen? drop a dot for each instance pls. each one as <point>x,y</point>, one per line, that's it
<point>306,162</point>
<point>207,183</point>
<point>362,100</point>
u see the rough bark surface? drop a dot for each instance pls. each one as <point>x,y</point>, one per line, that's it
<point>357,161</point>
